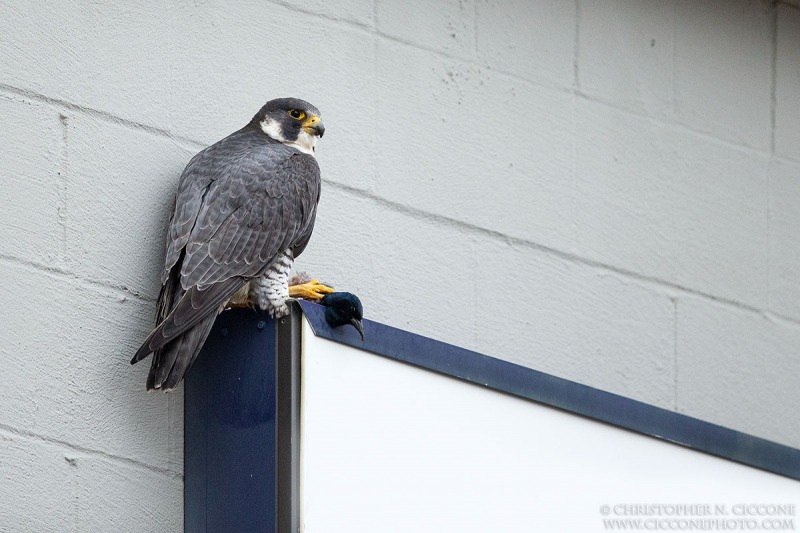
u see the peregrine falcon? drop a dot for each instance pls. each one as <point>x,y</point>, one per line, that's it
<point>244,210</point>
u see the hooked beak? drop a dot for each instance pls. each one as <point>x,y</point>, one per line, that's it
<point>359,327</point>
<point>313,126</point>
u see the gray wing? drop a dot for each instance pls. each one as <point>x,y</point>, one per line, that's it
<point>240,203</point>
<point>266,204</point>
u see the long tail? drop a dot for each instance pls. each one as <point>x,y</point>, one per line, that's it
<point>194,306</point>
<point>177,340</point>
<point>171,362</point>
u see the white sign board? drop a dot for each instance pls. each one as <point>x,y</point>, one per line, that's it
<point>387,447</point>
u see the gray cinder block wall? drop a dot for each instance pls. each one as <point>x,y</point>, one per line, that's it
<point>604,190</point>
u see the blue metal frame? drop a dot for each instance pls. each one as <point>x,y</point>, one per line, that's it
<point>230,464</point>
<point>561,393</point>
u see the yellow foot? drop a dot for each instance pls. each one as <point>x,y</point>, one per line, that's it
<point>313,290</point>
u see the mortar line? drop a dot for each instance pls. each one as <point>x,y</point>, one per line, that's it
<point>684,128</point>
<point>774,78</point>
<point>96,113</point>
<point>574,186</point>
<point>375,111</point>
<point>773,126</point>
<point>331,18</point>
<point>576,45</point>
<point>780,319</point>
<point>673,76</point>
<point>475,46</point>
<point>72,276</point>
<point>552,86</point>
<point>61,183</point>
<point>574,124</point>
<point>675,353</point>
<point>770,229</point>
<point>195,144</point>
<point>561,254</point>
<point>89,451</point>
<point>545,83</point>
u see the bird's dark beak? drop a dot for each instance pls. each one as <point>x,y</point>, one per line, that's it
<point>314,126</point>
<point>359,326</point>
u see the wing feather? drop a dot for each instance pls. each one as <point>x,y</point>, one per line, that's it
<point>261,219</point>
<point>193,306</point>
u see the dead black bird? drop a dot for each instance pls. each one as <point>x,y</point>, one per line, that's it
<point>343,308</point>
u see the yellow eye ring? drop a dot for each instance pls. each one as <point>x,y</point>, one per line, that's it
<point>297,114</point>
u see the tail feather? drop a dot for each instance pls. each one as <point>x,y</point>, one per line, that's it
<point>171,362</point>
<point>194,306</point>
<point>179,336</point>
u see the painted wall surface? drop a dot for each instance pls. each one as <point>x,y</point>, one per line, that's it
<point>603,190</point>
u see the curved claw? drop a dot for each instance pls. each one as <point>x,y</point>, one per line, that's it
<point>313,290</point>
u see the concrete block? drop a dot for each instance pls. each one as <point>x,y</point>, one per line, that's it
<point>114,496</point>
<point>121,187</point>
<point>732,368</point>
<point>575,321</point>
<point>784,239</point>
<point>37,486</point>
<point>443,26</point>
<point>475,146</point>
<point>723,69</point>
<point>77,491</point>
<point>410,272</point>
<point>348,152</point>
<point>65,355</point>
<point>533,40</point>
<point>31,193</point>
<point>654,200</point>
<point>200,70</point>
<point>625,53</point>
<point>787,83</point>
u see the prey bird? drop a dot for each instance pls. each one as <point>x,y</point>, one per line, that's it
<point>244,210</point>
<point>343,308</point>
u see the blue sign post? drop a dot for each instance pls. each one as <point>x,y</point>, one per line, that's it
<point>240,444</point>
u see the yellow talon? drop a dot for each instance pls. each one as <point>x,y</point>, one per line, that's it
<point>313,290</point>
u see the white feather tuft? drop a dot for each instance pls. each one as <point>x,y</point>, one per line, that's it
<point>305,143</point>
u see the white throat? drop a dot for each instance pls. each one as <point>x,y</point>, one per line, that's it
<point>305,143</point>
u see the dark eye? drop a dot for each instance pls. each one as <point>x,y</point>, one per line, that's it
<point>297,114</point>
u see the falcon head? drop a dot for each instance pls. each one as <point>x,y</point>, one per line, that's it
<point>292,121</point>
